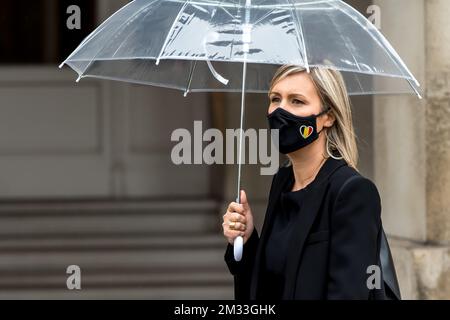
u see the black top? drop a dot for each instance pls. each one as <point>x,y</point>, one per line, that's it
<point>274,262</point>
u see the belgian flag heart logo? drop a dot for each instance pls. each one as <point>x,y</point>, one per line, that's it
<point>306,131</point>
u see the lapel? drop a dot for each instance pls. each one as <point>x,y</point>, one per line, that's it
<point>309,208</point>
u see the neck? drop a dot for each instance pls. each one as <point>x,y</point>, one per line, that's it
<point>306,163</point>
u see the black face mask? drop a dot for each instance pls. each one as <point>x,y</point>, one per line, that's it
<point>295,132</point>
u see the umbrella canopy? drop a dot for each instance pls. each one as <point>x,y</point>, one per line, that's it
<point>197,45</point>
<point>173,44</point>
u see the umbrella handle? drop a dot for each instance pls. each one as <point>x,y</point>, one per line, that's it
<point>238,247</point>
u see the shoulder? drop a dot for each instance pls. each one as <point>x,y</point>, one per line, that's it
<point>348,184</point>
<point>347,181</point>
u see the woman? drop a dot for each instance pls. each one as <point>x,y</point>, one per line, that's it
<point>322,231</point>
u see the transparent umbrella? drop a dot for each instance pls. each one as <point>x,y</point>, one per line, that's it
<point>237,45</point>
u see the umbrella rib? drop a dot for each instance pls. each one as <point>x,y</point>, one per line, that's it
<point>100,28</point>
<point>237,7</point>
<point>124,41</point>
<point>166,41</point>
<point>129,35</point>
<point>351,53</point>
<point>300,28</point>
<point>396,58</point>
<point>191,74</point>
<point>227,12</point>
<point>232,41</point>
<point>394,53</point>
<point>263,17</point>
<point>124,23</point>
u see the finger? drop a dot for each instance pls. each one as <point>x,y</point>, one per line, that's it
<point>241,226</point>
<point>234,225</point>
<point>236,207</point>
<point>237,226</point>
<point>238,218</point>
<point>244,200</point>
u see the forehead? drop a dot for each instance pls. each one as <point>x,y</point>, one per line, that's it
<point>299,83</point>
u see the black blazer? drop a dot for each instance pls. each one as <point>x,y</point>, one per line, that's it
<point>339,235</point>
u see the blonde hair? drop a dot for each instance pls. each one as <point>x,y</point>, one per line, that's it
<point>330,85</point>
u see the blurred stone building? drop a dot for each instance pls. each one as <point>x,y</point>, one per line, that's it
<point>86,177</point>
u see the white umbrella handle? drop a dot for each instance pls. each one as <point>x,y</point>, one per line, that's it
<point>238,246</point>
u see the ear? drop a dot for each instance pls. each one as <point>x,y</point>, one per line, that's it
<point>329,120</point>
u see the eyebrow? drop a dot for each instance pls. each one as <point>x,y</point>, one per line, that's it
<point>290,95</point>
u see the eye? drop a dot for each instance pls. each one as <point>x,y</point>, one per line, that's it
<point>274,99</point>
<point>296,101</point>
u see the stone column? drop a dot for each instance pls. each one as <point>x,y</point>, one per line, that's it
<point>399,127</point>
<point>433,262</point>
<point>438,121</point>
<point>412,149</point>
